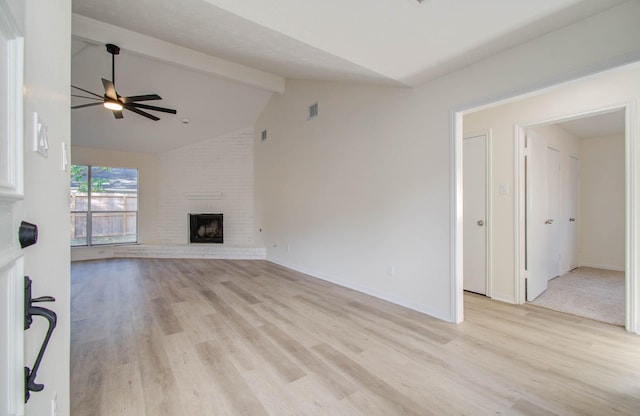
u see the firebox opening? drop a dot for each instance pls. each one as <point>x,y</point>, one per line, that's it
<point>205,228</point>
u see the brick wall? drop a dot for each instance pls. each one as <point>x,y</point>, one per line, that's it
<point>212,176</point>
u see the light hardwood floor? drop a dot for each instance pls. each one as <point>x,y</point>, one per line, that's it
<point>221,337</point>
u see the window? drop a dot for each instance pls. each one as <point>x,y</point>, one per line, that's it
<point>104,205</point>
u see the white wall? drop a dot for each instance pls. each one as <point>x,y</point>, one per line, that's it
<point>220,165</point>
<point>366,185</point>
<point>602,202</point>
<point>46,91</point>
<point>341,195</point>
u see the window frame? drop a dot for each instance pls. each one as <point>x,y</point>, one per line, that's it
<point>89,212</point>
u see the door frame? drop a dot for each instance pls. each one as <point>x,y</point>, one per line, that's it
<point>487,208</point>
<point>631,203</point>
<point>577,158</point>
<point>11,199</point>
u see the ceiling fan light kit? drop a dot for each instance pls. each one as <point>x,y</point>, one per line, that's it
<point>113,105</point>
<point>114,101</point>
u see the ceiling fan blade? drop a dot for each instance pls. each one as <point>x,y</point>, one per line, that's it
<point>153,107</point>
<point>148,97</point>
<point>142,113</point>
<point>117,114</point>
<point>87,91</point>
<point>86,105</point>
<point>109,89</point>
<point>88,98</point>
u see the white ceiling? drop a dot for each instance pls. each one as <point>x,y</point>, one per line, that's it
<point>214,59</point>
<point>601,125</point>
<point>367,40</point>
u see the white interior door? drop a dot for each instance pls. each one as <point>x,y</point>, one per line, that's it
<point>474,219</point>
<point>554,221</point>
<point>537,266</point>
<point>11,210</point>
<point>573,226</point>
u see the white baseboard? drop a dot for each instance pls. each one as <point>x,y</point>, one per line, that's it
<point>603,267</point>
<point>445,316</point>
<point>503,297</point>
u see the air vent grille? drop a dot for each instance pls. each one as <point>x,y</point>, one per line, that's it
<point>313,110</point>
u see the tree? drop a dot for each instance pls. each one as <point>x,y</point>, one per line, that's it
<point>79,174</point>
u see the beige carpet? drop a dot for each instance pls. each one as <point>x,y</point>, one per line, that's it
<point>589,293</point>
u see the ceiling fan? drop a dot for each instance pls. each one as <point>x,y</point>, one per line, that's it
<point>115,102</point>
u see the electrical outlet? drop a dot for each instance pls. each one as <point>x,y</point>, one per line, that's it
<point>54,404</point>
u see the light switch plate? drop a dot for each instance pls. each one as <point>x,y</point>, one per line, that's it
<point>65,158</point>
<point>40,135</point>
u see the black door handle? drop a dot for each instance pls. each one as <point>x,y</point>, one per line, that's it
<point>51,317</point>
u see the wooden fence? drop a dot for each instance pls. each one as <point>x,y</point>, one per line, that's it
<point>113,217</point>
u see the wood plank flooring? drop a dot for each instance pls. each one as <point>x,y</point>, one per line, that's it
<point>221,337</point>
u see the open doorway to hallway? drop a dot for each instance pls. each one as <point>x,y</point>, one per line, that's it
<point>506,122</point>
<point>575,219</point>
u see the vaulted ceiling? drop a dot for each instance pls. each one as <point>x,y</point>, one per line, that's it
<point>218,61</point>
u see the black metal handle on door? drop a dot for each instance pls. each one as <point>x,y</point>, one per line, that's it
<point>51,317</point>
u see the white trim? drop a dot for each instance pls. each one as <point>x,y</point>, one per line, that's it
<point>632,211</point>
<point>489,211</point>
<point>13,187</point>
<point>100,32</point>
<point>600,266</point>
<point>503,297</point>
<point>520,209</point>
<point>456,245</point>
<point>15,348</point>
<point>11,193</point>
<point>362,289</point>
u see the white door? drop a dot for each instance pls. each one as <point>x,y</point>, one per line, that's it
<point>11,211</point>
<point>537,265</point>
<point>554,221</point>
<point>474,218</point>
<point>573,230</point>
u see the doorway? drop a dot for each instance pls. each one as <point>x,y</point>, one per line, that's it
<point>582,259</point>
<point>508,175</point>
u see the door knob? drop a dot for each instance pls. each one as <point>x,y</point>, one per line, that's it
<point>572,219</point>
<point>549,221</point>
<point>480,223</point>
